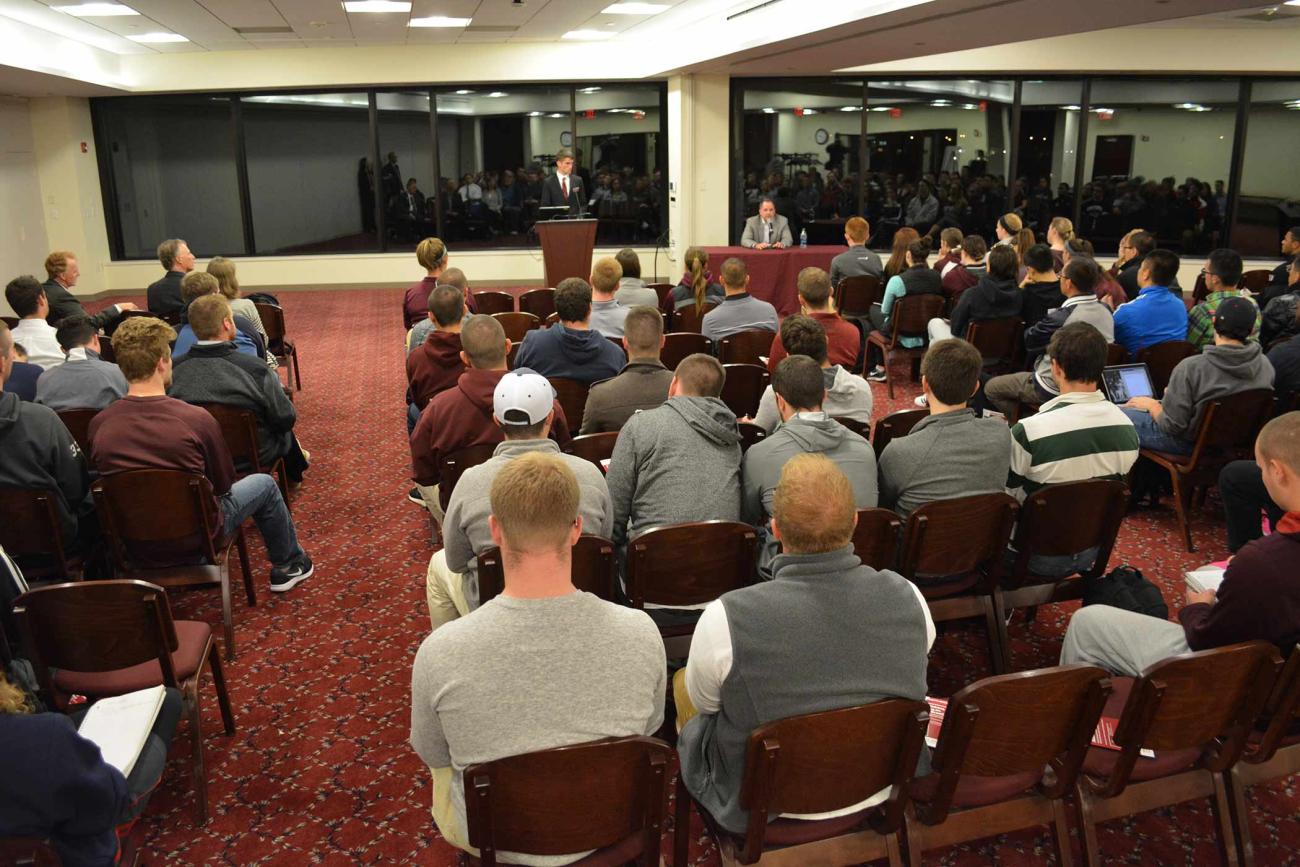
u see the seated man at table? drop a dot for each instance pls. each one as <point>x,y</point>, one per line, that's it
<point>1259,599</point>
<point>767,230</point>
<point>739,311</point>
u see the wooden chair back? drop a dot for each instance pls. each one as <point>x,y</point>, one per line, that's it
<point>1237,419</point>
<point>594,568</point>
<point>452,466</point>
<point>539,302</point>
<point>1115,354</point>
<point>746,347</point>
<point>689,564</point>
<point>689,319</point>
<point>143,512</point>
<point>998,340</point>
<point>743,387</point>
<point>272,317</point>
<point>1282,712</point>
<point>1064,519</point>
<point>1031,722</point>
<point>1256,279</point>
<point>239,430</point>
<point>11,321</point>
<point>750,433</point>
<point>77,421</point>
<point>595,447</point>
<point>517,325</point>
<point>1162,358</point>
<point>490,303</point>
<point>31,531</point>
<point>897,424</point>
<point>819,762</point>
<point>663,290</point>
<point>28,851</point>
<point>572,396</point>
<point>958,536</point>
<point>679,344</point>
<point>553,319</point>
<point>910,314</point>
<point>875,538</point>
<point>571,799</point>
<point>855,295</point>
<point>861,428</point>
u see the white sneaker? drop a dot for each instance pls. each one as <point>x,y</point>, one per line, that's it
<point>921,402</point>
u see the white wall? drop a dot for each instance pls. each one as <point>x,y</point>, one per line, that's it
<point>1271,167</point>
<point>1170,141</point>
<point>22,238</point>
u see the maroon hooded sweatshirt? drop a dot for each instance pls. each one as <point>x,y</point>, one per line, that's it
<point>434,366</point>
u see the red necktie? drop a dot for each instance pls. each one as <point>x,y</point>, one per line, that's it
<point>564,185</point>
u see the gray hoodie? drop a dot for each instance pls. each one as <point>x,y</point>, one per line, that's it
<point>677,462</point>
<point>847,396</point>
<point>465,529</point>
<point>1217,371</point>
<point>766,458</point>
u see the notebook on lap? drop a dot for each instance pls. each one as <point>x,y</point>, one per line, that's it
<point>1126,381</point>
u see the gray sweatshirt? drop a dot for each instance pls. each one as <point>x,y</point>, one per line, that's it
<point>847,396</point>
<point>1217,371</point>
<point>950,455</point>
<point>675,463</point>
<point>465,529</point>
<point>765,460</point>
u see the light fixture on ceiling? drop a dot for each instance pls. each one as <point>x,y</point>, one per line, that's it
<point>588,35</point>
<point>1070,107</point>
<point>464,92</point>
<point>850,108</point>
<point>497,94</point>
<point>96,10</point>
<point>438,21</point>
<point>769,111</point>
<point>534,114</point>
<point>808,111</point>
<point>157,38</point>
<point>878,108</point>
<point>376,6</point>
<point>588,90</point>
<point>1192,106</point>
<point>635,9</point>
<point>614,111</point>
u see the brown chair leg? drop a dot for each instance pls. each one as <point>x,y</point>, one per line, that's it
<point>889,380</point>
<point>297,371</point>
<point>1181,502</point>
<point>227,614</point>
<point>1061,833</point>
<point>223,697</point>
<point>994,628</point>
<point>1222,811</point>
<point>895,853</point>
<point>681,824</point>
<point>1000,617</point>
<point>913,838</point>
<point>249,590</point>
<point>1087,828</point>
<point>1240,817</point>
<point>196,743</point>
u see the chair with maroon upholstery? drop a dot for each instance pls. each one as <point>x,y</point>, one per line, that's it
<point>239,430</point>
<point>572,396</point>
<point>106,638</point>
<point>908,318</point>
<point>277,340</point>
<point>452,466</point>
<point>998,342</point>
<point>688,319</point>
<point>1161,359</point>
<point>31,532</point>
<point>77,421</point>
<point>855,295</point>
<point>517,325</point>
<point>750,433</point>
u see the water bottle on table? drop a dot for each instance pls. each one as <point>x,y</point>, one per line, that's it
<point>803,237</point>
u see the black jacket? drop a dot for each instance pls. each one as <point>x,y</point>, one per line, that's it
<point>218,374</point>
<point>1039,298</point>
<point>1285,358</point>
<point>987,299</point>
<point>63,304</point>
<point>164,296</point>
<point>553,195</point>
<point>1127,277</point>
<point>40,454</point>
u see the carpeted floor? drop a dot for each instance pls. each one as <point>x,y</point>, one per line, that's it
<point>319,772</point>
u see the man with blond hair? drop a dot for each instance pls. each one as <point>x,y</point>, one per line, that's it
<point>863,637</point>
<point>607,315</point>
<point>147,430</point>
<point>857,261</point>
<point>164,294</point>
<point>62,272</point>
<point>540,666</point>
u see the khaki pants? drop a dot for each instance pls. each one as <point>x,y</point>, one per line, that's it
<point>444,590</point>
<point>430,494</point>
<point>938,329</point>
<point>685,710</point>
<point>1006,393</point>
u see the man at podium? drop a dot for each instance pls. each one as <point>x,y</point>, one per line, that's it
<point>564,188</point>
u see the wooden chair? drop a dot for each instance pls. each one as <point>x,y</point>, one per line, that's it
<point>750,433</point>
<point>953,551</point>
<point>29,851</point>
<point>595,447</point>
<point>572,396</point>
<point>159,522</point>
<point>517,325</point>
<point>908,318</point>
<point>108,638</point>
<point>1195,711</point>
<point>875,538</point>
<point>1115,354</point>
<point>539,302</point>
<point>594,569</point>
<point>746,347</point>
<point>553,319</point>
<point>743,387</point>
<point>11,321</point>
<point>1009,751</point>
<point>679,344</point>
<point>1256,279</point>
<point>1060,520</point>
<point>608,795</point>
<point>689,319</point>
<point>817,763</point>
<point>77,421</point>
<point>663,290</point>
<point>452,466</point>
<point>1226,431</point>
<point>855,295</point>
<point>999,342</point>
<point>31,532</point>
<point>1162,358</point>
<point>239,430</point>
<point>490,303</point>
<point>688,564</point>
<point>897,424</point>
<point>861,428</point>
<point>284,349</point>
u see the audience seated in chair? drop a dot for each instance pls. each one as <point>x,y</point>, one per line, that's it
<point>949,250</point>
<point>951,453</point>
<point>462,416</point>
<point>1231,365</point>
<point>57,785</point>
<point>571,348</point>
<point>1078,280</point>
<point>435,364</point>
<point>805,428</point>
<point>63,272</point>
<point>697,286</point>
<point>1285,358</point>
<point>843,339</point>
<point>632,290</point>
<point>523,406</point>
<point>23,375</point>
<point>739,311</point>
<point>432,255</point>
<point>198,284</point>
<point>1134,248</point>
<point>607,314</point>
<point>1042,286</point>
<point>539,666</point>
<point>847,395</point>
<point>1157,314</point>
<point>858,260</point>
<point>1241,487</point>
<point>163,298</point>
<point>971,268</point>
<point>642,384</point>
<point>213,372</point>
<point>456,279</point>
<point>1280,319</point>
<point>224,270</point>
<point>864,636</point>
<point>1222,274</point>
<point>995,296</point>
<point>149,430</point>
<point>83,381</point>
<point>916,279</point>
<point>1279,280</point>
<point>1077,435</point>
<point>37,336</point>
<point>1259,598</point>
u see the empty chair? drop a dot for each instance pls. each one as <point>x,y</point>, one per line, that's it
<point>594,568</point>
<point>539,302</point>
<point>572,396</point>
<point>1162,358</point>
<point>855,295</point>
<point>77,421</point>
<point>743,388</point>
<point>897,424</point>
<point>239,430</point>
<point>284,349</point>
<point>746,347</point>
<point>517,325</point>
<point>597,447</point>
<point>491,303</point>
<point>31,532</point>
<point>679,344</point>
<point>876,537</point>
<point>998,341</point>
<point>907,318</point>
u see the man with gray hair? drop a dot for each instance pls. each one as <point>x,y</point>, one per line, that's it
<point>164,295</point>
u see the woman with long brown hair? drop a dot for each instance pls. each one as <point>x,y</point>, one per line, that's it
<point>897,263</point>
<point>697,285</point>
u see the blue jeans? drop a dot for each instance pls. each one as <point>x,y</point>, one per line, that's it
<point>258,497</point>
<point>412,418</point>
<point>1150,436</point>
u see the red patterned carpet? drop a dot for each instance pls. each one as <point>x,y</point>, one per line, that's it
<point>319,772</point>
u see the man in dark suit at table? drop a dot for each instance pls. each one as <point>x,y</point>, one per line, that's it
<point>767,230</point>
<point>564,187</point>
<point>164,295</point>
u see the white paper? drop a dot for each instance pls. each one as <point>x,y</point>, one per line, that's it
<point>120,725</point>
<point>1204,578</point>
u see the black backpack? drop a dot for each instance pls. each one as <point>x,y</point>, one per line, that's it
<point>1124,587</point>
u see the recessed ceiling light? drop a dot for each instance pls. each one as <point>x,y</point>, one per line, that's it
<point>96,10</point>
<point>497,94</point>
<point>438,21</point>
<point>1292,3</point>
<point>376,6</point>
<point>769,111</point>
<point>588,90</point>
<point>557,114</point>
<point>464,92</point>
<point>808,111</point>
<point>157,37</point>
<point>586,34</point>
<point>635,8</point>
<point>535,114</point>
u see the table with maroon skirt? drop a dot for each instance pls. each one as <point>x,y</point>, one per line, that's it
<point>773,274</point>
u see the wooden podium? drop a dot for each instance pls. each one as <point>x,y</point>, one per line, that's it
<point>566,248</point>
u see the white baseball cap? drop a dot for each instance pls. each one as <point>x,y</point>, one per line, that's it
<point>525,391</point>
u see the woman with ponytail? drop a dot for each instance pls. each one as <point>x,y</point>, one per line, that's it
<point>697,286</point>
<point>917,278</point>
<point>1059,233</point>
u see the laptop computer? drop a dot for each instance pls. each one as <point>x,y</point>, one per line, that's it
<point>1126,381</point>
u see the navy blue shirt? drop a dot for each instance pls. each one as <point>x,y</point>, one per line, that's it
<point>22,380</point>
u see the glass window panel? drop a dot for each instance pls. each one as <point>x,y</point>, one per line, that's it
<point>621,153</point>
<point>406,180</point>
<point>1045,157</point>
<point>173,165</point>
<point>308,172</point>
<point>1270,180</point>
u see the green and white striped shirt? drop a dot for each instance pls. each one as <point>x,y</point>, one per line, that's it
<point>1073,437</point>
